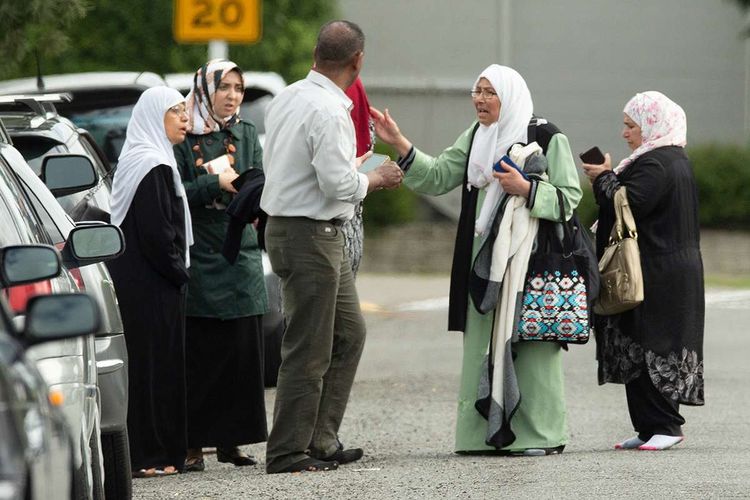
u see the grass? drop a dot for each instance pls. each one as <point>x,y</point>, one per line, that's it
<point>727,281</point>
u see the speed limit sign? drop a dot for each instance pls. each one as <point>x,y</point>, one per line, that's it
<point>198,21</point>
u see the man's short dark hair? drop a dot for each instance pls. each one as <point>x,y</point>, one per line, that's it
<point>338,42</point>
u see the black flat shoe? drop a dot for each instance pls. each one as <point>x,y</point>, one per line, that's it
<point>307,465</point>
<point>344,456</point>
<point>194,464</point>
<point>234,456</point>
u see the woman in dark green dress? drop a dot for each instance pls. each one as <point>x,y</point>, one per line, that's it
<point>225,303</point>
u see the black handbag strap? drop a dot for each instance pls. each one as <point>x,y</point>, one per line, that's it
<point>567,239</point>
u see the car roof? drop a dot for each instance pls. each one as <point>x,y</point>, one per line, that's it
<point>91,90</point>
<point>84,81</point>
<point>268,81</point>
<point>24,117</point>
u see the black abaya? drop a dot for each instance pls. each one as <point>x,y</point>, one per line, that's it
<point>150,280</point>
<point>226,406</point>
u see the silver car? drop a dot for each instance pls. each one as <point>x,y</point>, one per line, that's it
<point>36,447</point>
<point>69,365</point>
<point>39,133</point>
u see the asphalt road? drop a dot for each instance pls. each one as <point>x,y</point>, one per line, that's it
<point>402,413</point>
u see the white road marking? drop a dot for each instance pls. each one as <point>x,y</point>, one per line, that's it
<point>721,299</point>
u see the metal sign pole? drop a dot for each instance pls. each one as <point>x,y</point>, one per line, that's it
<point>218,49</point>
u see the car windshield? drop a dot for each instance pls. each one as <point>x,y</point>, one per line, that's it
<point>107,126</point>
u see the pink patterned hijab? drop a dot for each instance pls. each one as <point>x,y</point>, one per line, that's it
<point>662,123</point>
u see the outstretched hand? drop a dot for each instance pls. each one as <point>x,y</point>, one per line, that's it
<point>387,130</point>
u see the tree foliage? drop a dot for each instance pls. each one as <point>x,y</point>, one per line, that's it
<point>136,35</point>
<point>29,26</point>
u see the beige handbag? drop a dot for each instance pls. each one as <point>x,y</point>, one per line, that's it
<point>621,286</point>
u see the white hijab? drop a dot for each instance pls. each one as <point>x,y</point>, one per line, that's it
<point>147,146</point>
<point>491,142</point>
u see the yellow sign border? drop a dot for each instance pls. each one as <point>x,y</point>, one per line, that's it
<point>248,32</point>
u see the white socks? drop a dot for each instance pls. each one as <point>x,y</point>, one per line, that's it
<point>660,442</point>
<point>630,444</point>
<point>656,443</point>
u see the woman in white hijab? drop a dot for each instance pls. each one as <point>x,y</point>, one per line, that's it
<point>534,423</point>
<point>148,203</point>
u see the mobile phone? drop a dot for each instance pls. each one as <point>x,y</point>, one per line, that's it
<point>593,156</point>
<point>497,168</point>
<point>373,162</point>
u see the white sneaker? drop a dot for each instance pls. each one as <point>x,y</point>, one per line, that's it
<point>630,444</point>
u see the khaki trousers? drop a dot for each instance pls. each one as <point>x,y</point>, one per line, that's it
<point>323,340</point>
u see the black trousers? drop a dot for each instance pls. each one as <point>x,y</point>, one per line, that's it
<point>650,411</point>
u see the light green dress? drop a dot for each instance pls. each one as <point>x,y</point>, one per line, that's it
<point>540,421</point>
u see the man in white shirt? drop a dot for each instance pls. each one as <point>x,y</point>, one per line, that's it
<point>312,186</point>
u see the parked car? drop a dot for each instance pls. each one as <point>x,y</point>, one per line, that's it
<point>39,133</point>
<point>36,449</point>
<point>70,365</point>
<point>102,103</point>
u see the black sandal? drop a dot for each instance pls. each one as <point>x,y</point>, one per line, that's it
<point>194,464</point>
<point>234,456</point>
<point>309,465</point>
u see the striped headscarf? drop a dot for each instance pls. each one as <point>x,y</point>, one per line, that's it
<point>203,119</point>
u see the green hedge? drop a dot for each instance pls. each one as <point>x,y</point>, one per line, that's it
<point>722,173</point>
<point>389,206</point>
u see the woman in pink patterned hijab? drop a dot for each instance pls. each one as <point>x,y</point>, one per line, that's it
<point>661,121</point>
<point>655,349</point>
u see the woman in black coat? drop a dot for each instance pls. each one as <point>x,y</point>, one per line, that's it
<point>656,349</point>
<point>148,203</point>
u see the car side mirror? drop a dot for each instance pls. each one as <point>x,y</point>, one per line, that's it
<point>60,316</point>
<point>67,174</point>
<point>92,243</point>
<point>20,264</point>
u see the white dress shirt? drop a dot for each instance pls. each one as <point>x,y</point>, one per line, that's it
<point>309,153</point>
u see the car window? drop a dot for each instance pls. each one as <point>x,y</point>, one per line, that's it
<point>255,112</point>
<point>38,208</point>
<point>107,126</point>
<point>17,221</point>
<point>35,148</point>
<point>101,192</point>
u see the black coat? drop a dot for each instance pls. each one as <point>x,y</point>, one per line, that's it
<point>665,333</point>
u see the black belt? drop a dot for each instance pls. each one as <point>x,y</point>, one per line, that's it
<point>334,222</point>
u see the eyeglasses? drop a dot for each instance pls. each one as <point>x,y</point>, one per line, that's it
<point>487,94</point>
<point>179,110</point>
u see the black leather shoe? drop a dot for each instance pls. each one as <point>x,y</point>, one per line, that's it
<point>345,456</point>
<point>234,456</point>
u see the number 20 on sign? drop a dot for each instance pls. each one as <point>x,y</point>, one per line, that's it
<point>198,21</point>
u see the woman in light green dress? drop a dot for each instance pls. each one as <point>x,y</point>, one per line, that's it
<point>504,118</point>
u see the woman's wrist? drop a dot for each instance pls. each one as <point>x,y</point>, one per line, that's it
<point>402,146</point>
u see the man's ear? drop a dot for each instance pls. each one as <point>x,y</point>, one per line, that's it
<point>358,61</point>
